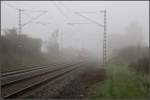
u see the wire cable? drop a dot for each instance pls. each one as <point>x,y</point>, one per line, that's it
<point>60,10</point>
<point>29,10</point>
<point>33,18</point>
<point>67,9</point>
<point>90,19</point>
<point>11,6</point>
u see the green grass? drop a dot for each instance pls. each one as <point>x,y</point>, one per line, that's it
<point>121,84</point>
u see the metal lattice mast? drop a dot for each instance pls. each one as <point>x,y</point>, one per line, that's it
<point>61,40</point>
<point>19,32</point>
<point>105,40</point>
<point>19,24</point>
<point>100,25</point>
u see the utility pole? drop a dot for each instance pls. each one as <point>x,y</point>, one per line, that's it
<point>100,25</point>
<point>62,50</point>
<point>19,32</point>
<point>61,41</point>
<point>104,41</point>
<point>19,25</point>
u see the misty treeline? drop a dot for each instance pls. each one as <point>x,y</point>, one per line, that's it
<point>55,50</point>
<point>19,51</point>
<point>130,48</point>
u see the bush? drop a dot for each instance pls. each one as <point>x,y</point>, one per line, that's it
<point>141,66</point>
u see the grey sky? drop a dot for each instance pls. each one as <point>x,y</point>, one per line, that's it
<point>119,15</point>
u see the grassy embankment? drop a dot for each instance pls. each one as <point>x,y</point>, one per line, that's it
<point>121,84</point>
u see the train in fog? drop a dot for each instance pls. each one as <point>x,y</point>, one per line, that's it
<point>82,54</point>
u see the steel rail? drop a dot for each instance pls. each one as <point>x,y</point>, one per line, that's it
<point>29,69</point>
<point>22,70</point>
<point>29,74</point>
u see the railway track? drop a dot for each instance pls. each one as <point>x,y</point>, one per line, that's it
<point>27,70</point>
<point>12,77</point>
<point>14,85</point>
